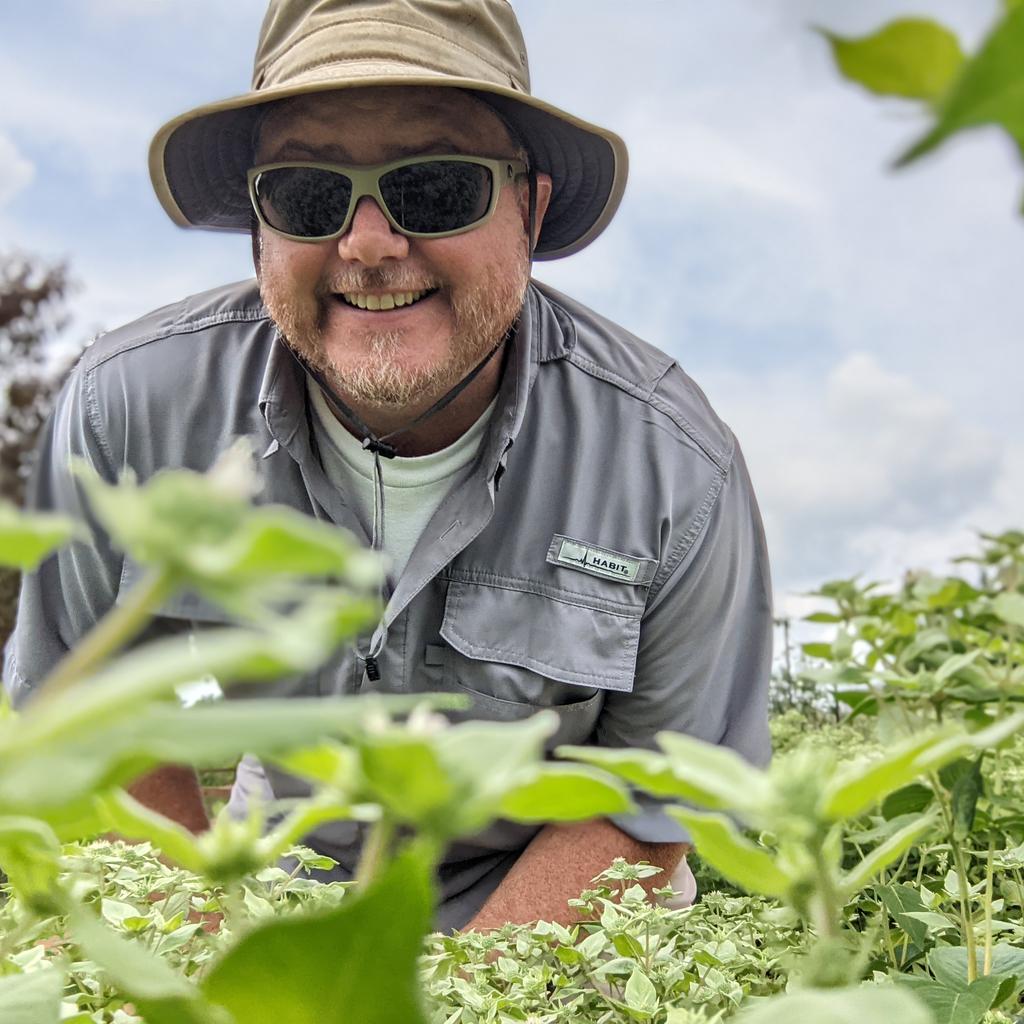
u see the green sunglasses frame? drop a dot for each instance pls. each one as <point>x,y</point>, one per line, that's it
<point>366,182</point>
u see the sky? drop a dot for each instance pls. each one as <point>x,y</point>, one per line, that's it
<point>857,328</point>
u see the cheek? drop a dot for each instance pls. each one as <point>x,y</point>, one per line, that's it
<point>284,262</point>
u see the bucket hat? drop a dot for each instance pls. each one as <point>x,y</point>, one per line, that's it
<point>198,161</point>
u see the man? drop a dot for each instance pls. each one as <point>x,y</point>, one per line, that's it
<point>568,523</point>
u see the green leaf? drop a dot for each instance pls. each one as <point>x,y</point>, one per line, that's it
<point>1010,608</point>
<point>867,1003</point>
<point>562,792</point>
<point>404,774</point>
<point>855,789</point>
<point>203,528</point>
<point>967,1005</point>
<point>966,793</point>
<point>358,962</point>
<point>989,90</point>
<point>640,993</point>
<point>44,780</point>
<point>161,993</point>
<point>26,539</point>
<point>884,854</point>
<point>913,57</point>
<point>31,998</point>
<point>901,901</point>
<point>725,848</point>
<point>645,769</point>
<point>908,800</point>
<point>818,650</point>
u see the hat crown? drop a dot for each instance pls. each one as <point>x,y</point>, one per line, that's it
<point>302,41</point>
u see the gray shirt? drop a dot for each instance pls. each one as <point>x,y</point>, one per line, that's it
<point>604,557</point>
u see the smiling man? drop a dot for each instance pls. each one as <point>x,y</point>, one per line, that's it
<point>567,522</point>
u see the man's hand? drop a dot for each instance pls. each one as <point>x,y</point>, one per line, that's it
<point>562,861</point>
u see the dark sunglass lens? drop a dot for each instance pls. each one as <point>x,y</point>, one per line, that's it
<point>437,196</point>
<point>305,201</point>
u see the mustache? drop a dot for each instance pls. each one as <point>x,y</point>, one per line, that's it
<point>396,279</point>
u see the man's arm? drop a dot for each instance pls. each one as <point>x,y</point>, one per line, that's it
<point>559,863</point>
<point>173,791</point>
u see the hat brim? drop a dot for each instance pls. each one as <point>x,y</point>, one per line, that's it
<point>198,161</point>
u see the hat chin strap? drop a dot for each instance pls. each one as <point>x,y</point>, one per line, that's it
<point>378,444</point>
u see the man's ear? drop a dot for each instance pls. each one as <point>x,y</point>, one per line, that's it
<point>543,197</point>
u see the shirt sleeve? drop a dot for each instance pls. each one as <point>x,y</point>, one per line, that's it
<point>72,589</point>
<point>704,657</point>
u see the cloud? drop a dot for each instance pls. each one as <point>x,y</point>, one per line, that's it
<point>16,171</point>
<point>863,469</point>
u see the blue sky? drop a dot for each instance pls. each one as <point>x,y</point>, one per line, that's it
<point>858,329</point>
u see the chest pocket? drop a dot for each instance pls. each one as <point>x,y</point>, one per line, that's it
<point>514,652</point>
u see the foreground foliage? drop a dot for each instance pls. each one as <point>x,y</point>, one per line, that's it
<point>875,872</point>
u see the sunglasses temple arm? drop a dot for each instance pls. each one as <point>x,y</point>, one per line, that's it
<point>532,212</point>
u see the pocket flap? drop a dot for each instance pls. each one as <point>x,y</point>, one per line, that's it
<point>566,641</point>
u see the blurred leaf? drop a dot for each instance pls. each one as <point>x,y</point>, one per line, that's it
<point>45,779</point>
<point>160,992</point>
<point>913,57</point>
<point>884,854</point>
<point>31,998</point>
<point>855,789</point>
<point>643,768</point>
<point>1010,607</point>
<point>866,1004</point>
<point>27,538</point>
<point>298,643</point>
<point>562,792</point>
<point>721,844</point>
<point>358,962</point>
<point>989,90</point>
<point>967,1005</point>
<point>204,530</point>
<point>403,773</point>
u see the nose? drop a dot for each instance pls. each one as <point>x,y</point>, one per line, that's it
<point>370,239</point>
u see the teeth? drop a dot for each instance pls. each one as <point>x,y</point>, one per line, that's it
<point>392,300</point>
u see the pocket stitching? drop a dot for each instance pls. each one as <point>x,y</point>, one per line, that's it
<point>533,664</point>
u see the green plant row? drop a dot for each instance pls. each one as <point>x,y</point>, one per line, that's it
<point>880,887</point>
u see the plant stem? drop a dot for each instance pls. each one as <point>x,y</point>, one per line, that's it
<point>965,911</point>
<point>375,850</point>
<point>987,967</point>
<point>120,625</point>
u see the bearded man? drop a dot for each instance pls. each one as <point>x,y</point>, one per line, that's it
<point>568,524</point>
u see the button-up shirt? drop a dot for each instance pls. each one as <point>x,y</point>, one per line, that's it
<point>604,557</point>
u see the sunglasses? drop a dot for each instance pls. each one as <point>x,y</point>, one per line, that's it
<point>423,197</point>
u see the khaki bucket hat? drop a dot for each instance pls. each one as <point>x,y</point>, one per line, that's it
<point>198,161</point>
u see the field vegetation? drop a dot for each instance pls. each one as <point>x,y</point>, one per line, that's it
<point>875,870</point>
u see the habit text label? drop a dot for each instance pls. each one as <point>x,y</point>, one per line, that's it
<point>598,561</point>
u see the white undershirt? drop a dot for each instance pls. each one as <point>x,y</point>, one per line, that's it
<point>413,487</point>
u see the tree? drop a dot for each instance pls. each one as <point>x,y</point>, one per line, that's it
<point>32,311</point>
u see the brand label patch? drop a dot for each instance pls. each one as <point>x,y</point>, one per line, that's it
<point>603,562</point>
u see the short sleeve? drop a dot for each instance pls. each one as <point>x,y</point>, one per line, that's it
<point>71,590</point>
<point>705,650</point>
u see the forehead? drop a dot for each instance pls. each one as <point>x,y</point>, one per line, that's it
<point>377,124</point>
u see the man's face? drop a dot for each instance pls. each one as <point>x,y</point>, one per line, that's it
<point>475,282</point>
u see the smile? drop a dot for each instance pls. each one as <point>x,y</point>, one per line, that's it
<point>390,300</point>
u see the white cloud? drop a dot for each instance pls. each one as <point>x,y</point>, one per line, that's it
<point>864,470</point>
<point>16,170</point>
